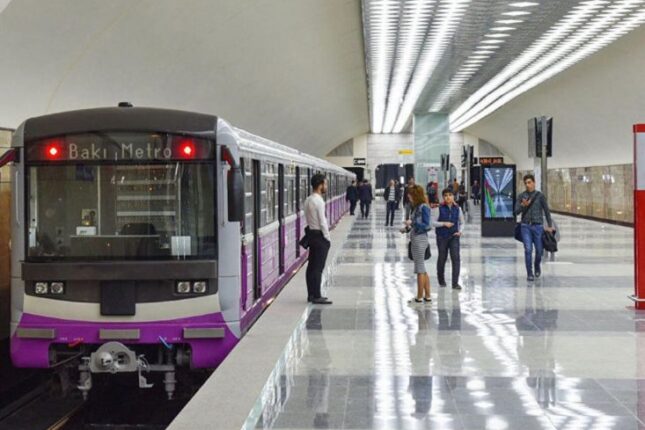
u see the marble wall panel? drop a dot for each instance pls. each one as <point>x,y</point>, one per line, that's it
<point>603,192</point>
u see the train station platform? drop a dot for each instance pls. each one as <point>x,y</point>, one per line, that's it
<point>560,353</point>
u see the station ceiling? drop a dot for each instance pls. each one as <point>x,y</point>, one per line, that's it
<point>288,70</point>
<point>467,58</point>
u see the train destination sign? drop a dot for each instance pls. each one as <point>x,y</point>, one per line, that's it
<point>120,147</point>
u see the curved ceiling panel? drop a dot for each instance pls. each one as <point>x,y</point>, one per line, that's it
<point>289,70</point>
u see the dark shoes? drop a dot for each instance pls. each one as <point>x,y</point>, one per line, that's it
<point>442,284</point>
<point>538,273</point>
<point>530,278</point>
<point>456,287</point>
<point>321,301</point>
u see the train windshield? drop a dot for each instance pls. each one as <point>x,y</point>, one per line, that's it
<point>98,210</point>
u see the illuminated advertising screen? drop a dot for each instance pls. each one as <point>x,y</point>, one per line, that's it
<point>498,192</point>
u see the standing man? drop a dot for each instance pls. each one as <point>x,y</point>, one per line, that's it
<point>475,191</point>
<point>319,239</point>
<point>351,195</point>
<point>365,195</point>
<point>532,206</point>
<point>406,200</point>
<point>392,196</point>
<point>449,226</point>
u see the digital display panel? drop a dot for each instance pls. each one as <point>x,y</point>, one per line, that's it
<point>498,192</point>
<point>120,147</point>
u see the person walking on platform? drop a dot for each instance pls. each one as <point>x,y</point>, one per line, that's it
<point>449,226</point>
<point>392,196</point>
<point>418,226</point>
<point>318,238</point>
<point>532,206</point>
<point>433,198</point>
<point>365,195</point>
<point>406,198</point>
<point>351,195</point>
<point>475,191</point>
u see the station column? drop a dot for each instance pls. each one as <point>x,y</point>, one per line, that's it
<point>639,216</point>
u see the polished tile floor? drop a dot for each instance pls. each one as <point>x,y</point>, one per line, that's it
<point>561,353</point>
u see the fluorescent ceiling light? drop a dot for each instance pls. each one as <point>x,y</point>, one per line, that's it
<point>492,41</point>
<point>509,21</point>
<point>440,33</point>
<point>554,53</point>
<point>516,13</point>
<point>501,35</point>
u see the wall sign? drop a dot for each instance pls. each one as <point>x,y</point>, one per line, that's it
<point>359,162</point>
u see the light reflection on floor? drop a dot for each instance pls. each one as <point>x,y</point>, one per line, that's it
<point>561,353</point>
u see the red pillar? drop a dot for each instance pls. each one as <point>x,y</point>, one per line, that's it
<point>639,216</point>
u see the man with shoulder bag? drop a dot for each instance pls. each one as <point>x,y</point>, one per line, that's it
<point>532,206</point>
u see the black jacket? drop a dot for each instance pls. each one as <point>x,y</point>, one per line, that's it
<point>365,193</point>
<point>397,194</point>
<point>351,194</point>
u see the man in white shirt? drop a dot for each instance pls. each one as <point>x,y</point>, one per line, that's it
<point>319,239</point>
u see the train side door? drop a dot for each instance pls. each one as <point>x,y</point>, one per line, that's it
<point>281,199</point>
<point>257,190</point>
<point>298,192</point>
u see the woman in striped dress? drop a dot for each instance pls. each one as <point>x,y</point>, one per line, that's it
<point>419,225</point>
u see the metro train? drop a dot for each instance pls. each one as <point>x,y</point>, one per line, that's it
<point>149,240</point>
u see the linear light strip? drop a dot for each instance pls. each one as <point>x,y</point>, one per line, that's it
<point>553,36</point>
<point>382,17</point>
<point>592,28</point>
<point>448,18</point>
<point>599,42</point>
<point>417,13</point>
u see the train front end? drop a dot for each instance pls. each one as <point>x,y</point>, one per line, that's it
<point>115,243</point>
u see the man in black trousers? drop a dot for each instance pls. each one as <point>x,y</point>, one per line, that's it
<point>351,195</point>
<point>392,195</point>
<point>318,239</point>
<point>366,197</point>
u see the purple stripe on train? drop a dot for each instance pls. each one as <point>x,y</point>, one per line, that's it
<point>205,352</point>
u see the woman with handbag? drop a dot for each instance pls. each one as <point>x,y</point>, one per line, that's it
<point>418,226</point>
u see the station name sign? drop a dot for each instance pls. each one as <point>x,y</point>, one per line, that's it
<point>116,147</point>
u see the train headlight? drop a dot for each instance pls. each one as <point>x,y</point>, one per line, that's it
<point>183,287</point>
<point>41,288</point>
<point>200,287</point>
<point>57,288</point>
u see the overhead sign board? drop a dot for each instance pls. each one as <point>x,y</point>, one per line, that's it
<point>359,162</point>
<point>487,161</point>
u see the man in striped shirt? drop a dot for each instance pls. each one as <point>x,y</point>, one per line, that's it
<point>392,196</point>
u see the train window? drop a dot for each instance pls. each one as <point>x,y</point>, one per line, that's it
<point>270,194</point>
<point>134,211</point>
<point>247,165</point>
<point>304,187</point>
<point>290,201</point>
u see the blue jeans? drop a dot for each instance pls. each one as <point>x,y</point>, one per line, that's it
<point>532,236</point>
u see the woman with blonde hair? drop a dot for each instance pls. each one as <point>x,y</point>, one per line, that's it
<point>418,226</point>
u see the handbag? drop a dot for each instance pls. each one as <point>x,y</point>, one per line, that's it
<point>304,241</point>
<point>426,256</point>
<point>518,226</point>
<point>549,242</point>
